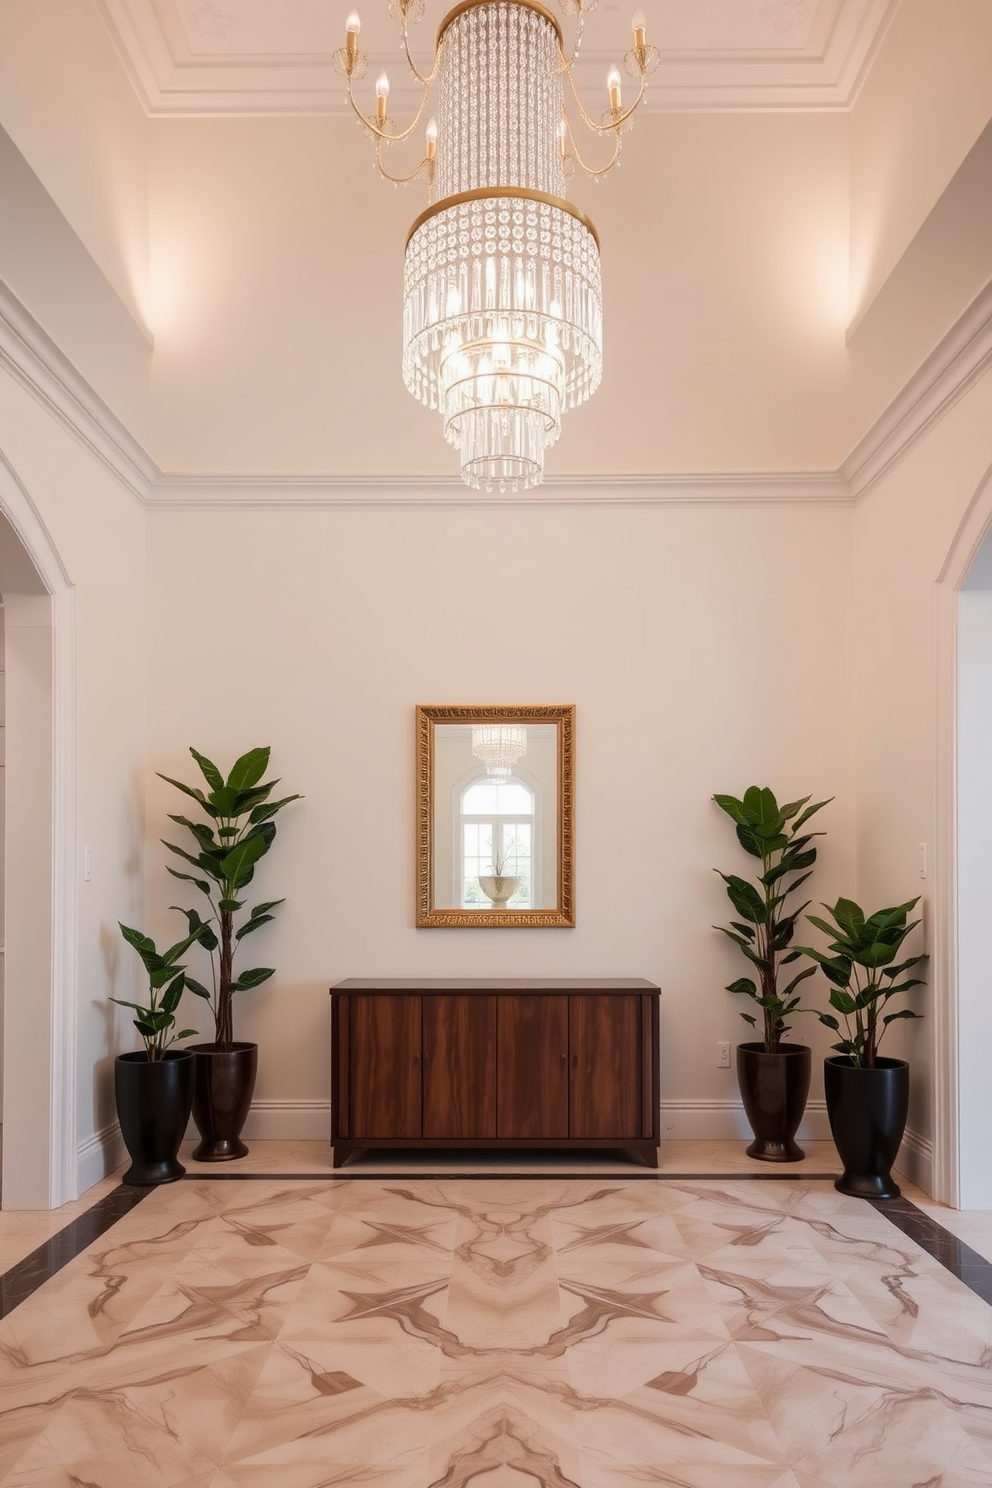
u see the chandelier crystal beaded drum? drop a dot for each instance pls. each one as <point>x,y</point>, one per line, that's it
<point>502,295</point>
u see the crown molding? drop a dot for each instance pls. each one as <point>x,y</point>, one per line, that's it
<point>28,353</point>
<point>288,492</point>
<point>956,363</point>
<point>32,358</point>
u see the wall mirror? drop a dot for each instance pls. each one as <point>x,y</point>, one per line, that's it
<point>494,815</point>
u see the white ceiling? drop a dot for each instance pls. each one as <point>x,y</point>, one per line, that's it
<point>275,56</point>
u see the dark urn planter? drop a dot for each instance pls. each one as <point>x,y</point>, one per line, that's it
<point>223,1085</point>
<point>867,1110</point>
<point>774,1088</point>
<point>153,1104</point>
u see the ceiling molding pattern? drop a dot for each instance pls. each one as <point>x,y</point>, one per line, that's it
<point>216,57</point>
<point>32,358</point>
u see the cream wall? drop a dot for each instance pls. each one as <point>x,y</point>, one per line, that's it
<point>71,110</point>
<point>691,640</point>
<point>902,698</point>
<point>924,102</point>
<point>98,530</point>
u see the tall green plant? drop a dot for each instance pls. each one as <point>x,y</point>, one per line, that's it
<point>860,965</point>
<point>166,979</point>
<point>774,835</point>
<point>238,833</point>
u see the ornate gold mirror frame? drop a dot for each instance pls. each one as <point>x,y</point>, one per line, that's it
<point>527,752</point>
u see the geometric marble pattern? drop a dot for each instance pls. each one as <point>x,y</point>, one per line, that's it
<point>498,1333</point>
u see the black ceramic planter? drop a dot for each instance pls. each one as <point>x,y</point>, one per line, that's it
<point>153,1105</point>
<point>223,1085</point>
<point>774,1088</point>
<point>867,1110</point>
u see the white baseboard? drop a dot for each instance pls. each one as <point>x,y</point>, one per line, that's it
<point>724,1121</point>
<point>98,1156</point>
<point>288,1121</point>
<point>915,1160</point>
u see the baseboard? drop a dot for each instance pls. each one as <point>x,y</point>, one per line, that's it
<point>288,1121</point>
<point>915,1160</point>
<point>724,1121</point>
<point>98,1156</point>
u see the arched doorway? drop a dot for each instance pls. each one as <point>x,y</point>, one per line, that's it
<point>963,1165</point>
<point>39,1090</point>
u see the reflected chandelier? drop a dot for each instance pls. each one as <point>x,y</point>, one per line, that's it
<point>499,746</point>
<point>502,297</point>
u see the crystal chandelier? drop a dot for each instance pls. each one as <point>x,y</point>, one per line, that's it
<point>502,297</point>
<point>499,746</point>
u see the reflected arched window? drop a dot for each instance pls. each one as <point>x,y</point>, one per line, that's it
<point>496,829</point>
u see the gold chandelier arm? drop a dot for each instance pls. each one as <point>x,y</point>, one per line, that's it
<point>378,131</point>
<point>425,82</point>
<point>592,170</point>
<point>427,163</point>
<point>569,62</point>
<point>616,119</point>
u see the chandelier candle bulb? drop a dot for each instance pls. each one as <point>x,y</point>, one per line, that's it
<point>431,139</point>
<point>613,83</point>
<point>381,98</point>
<point>640,28</point>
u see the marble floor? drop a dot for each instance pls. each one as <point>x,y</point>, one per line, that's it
<point>562,1324</point>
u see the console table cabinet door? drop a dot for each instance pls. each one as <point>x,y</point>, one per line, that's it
<point>385,1066</point>
<point>459,1065</point>
<point>604,1088</point>
<point>532,1067</point>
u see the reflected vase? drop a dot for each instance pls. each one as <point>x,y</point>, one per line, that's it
<point>499,888</point>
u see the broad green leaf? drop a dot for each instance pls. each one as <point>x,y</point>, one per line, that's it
<point>249,769</point>
<point>263,813</point>
<point>210,772</point>
<point>198,989</point>
<point>848,915</point>
<point>733,807</point>
<point>200,883</point>
<point>224,800</point>
<point>263,909</point>
<point>745,899</point>
<point>810,811</point>
<point>187,790</point>
<point>253,978</point>
<point>243,857</point>
<point>743,987</point>
<point>251,925</point>
<point>229,906</point>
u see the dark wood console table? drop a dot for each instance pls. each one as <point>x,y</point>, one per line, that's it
<point>495,1062</point>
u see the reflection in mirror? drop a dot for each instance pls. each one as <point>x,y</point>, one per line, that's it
<point>494,815</point>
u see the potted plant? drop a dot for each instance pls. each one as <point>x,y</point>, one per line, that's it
<point>153,1086</point>
<point>226,848</point>
<point>773,1075</point>
<point>867,1094</point>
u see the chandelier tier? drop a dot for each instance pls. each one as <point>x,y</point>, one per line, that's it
<point>502,299</point>
<point>499,746</point>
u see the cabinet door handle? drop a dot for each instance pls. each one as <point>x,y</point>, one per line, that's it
<point>416,1059</point>
<point>564,1061</point>
<point>426,1060</point>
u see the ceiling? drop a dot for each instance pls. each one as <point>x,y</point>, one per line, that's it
<point>209,57</point>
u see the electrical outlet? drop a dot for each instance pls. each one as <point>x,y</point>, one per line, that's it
<point>723,1056</point>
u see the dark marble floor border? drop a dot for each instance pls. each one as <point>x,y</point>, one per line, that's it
<point>346,1175</point>
<point>17,1284</point>
<point>26,1276</point>
<point>953,1254</point>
